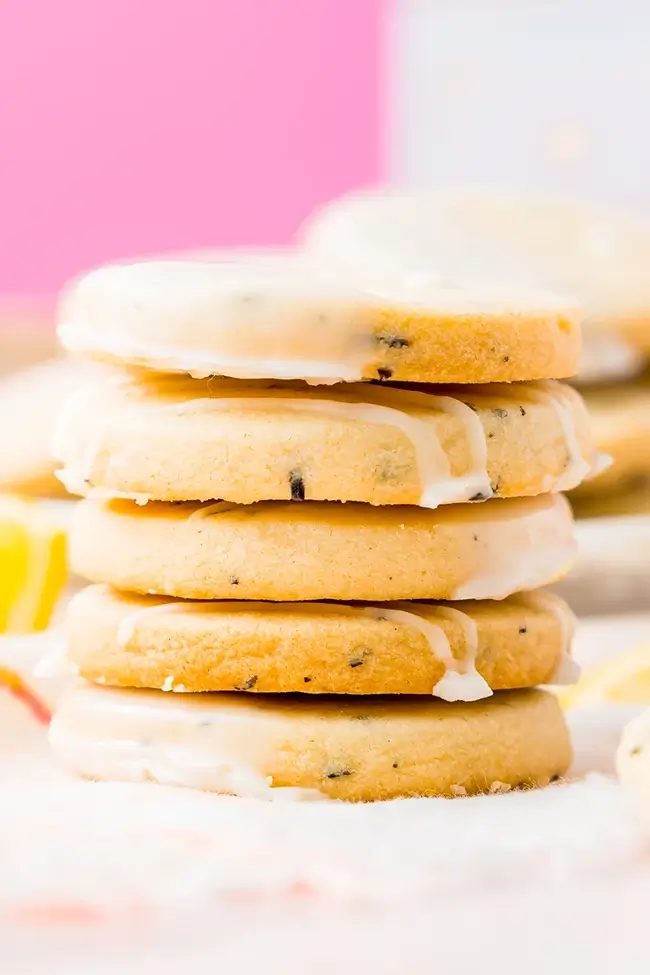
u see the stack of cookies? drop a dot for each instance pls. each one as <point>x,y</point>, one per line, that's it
<point>318,576</point>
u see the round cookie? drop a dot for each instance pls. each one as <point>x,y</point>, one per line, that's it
<point>170,438</point>
<point>319,550</point>
<point>294,319</point>
<point>339,748</point>
<point>598,254</point>
<point>459,651</point>
<point>620,419</point>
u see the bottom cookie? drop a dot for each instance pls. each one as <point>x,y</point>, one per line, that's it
<point>357,749</point>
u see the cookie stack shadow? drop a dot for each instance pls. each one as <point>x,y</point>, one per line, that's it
<point>307,583</point>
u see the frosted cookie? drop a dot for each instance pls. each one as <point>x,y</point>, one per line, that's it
<point>298,320</point>
<point>620,419</point>
<point>339,748</point>
<point>457,651</point>
<point>172,439</point>
<point>599,255</point>
<point>318,550</point>
<point>29,403</point>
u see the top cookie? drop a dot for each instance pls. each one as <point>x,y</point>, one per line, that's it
<point>288,318</point>
<point>598,254</point>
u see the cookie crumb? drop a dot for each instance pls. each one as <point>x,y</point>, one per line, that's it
<point>384,372</point>
<point>233,580</point>
<point>522,411</point>
<point>247,685</point>
<point>500,412</point>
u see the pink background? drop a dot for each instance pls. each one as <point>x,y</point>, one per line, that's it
<point>135,126</point>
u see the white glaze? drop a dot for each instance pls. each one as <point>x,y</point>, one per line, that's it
<point>518,565</point>
<point>142,735</point>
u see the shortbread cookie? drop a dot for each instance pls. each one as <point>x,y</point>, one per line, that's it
<point>620,418</point>
<point>599,255</point>
<point>317,550</point>
<point>29,403</point>
<point>457,651</point>
<point>296,320</point>
<point>339,748</point>
<point>173,439</point>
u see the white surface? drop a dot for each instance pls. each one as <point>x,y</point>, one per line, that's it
<point>173,877</point>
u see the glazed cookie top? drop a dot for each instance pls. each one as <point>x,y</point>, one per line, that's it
<point>599,255</point>
<point>171,438</point>
<point>293,318</point>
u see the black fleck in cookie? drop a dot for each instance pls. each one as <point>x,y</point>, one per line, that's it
<point>317,550</point>
<point>295,319</point>
<point>171,438</point>
<point>338,748</point>
<point>457,651</point>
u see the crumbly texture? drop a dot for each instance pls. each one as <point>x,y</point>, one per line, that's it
<point>345,748</point>
<point>272,320</point>
<point>115,639</point>
<point>175,439</point>
<point>620,418</point>
<point>317,550</point>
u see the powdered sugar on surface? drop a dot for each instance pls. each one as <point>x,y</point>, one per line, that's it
<point>80,856</point>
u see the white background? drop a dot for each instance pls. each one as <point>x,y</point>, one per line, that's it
<point>553,94</point>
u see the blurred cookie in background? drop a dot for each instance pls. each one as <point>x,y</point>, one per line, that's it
<point>598,255</point>
<point>620,417</point>
<point>30,400</point>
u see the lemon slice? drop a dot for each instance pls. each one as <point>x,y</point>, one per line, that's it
<point>33,568</point>
<point>624,679</point>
